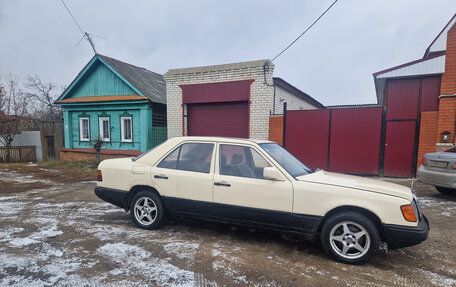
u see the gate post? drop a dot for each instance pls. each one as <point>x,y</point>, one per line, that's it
<point>381,157</point>
<point>284,123</point>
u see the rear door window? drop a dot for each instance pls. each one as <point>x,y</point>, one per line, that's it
<point>196,157</point>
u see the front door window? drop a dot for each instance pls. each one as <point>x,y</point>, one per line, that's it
<point>241,161</point>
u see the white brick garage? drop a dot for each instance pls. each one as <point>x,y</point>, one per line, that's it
<point>261,95</point>
<point>219,95</point>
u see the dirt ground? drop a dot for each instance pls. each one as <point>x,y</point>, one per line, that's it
<point>55,231</point>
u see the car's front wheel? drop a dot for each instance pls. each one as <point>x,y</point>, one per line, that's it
<point>350,237</point>
<point>147,210</point>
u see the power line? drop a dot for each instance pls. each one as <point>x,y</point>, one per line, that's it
<point>304,31</point>
<point>74,19</point>
<point>84,34</point>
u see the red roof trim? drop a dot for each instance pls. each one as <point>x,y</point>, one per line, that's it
<point>435,39</point>
<point>208,83</point>
<point>438,54</point>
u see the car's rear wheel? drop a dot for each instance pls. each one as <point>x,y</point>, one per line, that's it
<point>147,210</point>
<point>444,190</point>
<point>350,237</point>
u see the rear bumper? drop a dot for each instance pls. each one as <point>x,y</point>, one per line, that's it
<point>114,196</point>
<point>402,236</point>
<point>437,178</point>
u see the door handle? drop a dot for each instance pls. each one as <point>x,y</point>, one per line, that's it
<point>161,176</point>
<point>222,184</point>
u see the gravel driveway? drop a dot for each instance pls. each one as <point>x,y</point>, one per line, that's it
<point>54,232</point>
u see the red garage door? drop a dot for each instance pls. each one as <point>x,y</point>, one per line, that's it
<point>229,119</point>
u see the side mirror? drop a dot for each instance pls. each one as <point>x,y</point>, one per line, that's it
<point>272,173</point>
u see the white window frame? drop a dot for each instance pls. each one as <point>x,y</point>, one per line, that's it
<point>122,129</point>
<point>81,129</point>
<point>100,128</point>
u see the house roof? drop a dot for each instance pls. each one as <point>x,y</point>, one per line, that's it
<point>297,92</point>
<point>439,42</point>
<point>433,63</point>
<point>145,83</point>
<point>151,85</point>
<point>355,106</point>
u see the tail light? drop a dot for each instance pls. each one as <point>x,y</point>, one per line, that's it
<point>408,212</point>
<point>424,161</point>
<point>99,176</point>
<point>453,166</point>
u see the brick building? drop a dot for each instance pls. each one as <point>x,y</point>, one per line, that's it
<point>420,97</point>
<point>234,100</point>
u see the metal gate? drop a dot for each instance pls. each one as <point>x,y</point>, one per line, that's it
<point>402,124</point>
<point>400,148</point>
<point>342,140</point>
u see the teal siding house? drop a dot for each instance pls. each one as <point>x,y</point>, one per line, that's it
<point>121,104</point>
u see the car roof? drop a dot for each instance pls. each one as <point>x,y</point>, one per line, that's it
<point>224,139</point>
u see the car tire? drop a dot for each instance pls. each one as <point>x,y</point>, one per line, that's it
<point>350,237</point>
<point>444,190</point>
<point>147,210</point>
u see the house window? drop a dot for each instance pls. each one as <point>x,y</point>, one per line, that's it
<point>104,128</point>
<point>84,132</point>
<point>126,129</point>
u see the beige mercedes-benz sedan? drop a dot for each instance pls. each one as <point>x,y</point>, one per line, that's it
<point>259,184</point>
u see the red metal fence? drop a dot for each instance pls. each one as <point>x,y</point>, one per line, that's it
<point>341,140</point>
<point>307,136</point>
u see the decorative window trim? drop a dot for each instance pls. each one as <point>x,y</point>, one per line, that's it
<point>100,128</point>
<point>122,129</point>
<point>81,131</point>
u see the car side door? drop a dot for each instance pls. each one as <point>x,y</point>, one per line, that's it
<point>185,178</point>
<point>242,194</point>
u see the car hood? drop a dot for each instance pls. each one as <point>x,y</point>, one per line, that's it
<point>357,182</point>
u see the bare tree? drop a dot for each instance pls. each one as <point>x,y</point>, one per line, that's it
<point>43,96</point>
<point>97,143</point>
<point>13,112</point>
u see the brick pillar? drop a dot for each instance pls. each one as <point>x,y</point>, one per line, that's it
<point>276,129</point>
<point>428,129</point>
<point>447,102</point>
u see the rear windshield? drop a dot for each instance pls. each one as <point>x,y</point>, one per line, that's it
<point>144,153</point>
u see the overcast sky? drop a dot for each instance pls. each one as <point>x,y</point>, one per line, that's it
<point>333,62</point>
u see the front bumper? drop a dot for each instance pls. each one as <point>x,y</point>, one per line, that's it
<point>402,236</point>
<point>114,196</point>
<point>437,178</point>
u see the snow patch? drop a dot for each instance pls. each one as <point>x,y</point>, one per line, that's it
<point>439,280</point>
<point>8,208</point>
<point>36,237</point>
<point>135,260</point>
<point>182,249</point>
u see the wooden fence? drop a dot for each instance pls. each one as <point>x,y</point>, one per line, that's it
<point>18,153</point>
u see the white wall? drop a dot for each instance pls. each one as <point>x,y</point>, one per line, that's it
<point>29,138</point>
<point>293,102</point>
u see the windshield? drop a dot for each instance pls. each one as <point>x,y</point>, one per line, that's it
<point>291,164</point>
